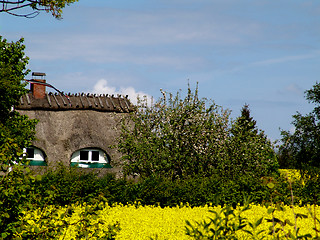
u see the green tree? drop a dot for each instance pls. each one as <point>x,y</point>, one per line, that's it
<point>301,149</point>
<point>175,138</point>
<point>249,150</point>
<point>14,7</point>
<point>16,131</point>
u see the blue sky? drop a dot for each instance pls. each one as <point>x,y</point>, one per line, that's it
<point>262,53</point>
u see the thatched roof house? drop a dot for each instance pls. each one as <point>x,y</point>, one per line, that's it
<point>75,129</point>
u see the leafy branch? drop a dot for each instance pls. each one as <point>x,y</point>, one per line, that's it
<point>53,6</point>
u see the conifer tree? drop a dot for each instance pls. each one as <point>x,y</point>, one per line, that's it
<point>249,150</point>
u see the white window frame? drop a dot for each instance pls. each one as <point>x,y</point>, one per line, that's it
<point>102,156</point>
<point>38,154</point>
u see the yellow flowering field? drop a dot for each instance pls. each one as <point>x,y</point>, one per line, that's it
<point>145,222</point>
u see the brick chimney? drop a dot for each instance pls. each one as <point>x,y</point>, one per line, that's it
<point>38,90</point>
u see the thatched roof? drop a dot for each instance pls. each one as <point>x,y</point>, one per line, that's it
<point>78,101</point>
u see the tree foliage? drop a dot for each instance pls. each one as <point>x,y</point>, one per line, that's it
<point>179,138</point>
<point>301,149</point>
<point>175,137</point>
<point>14,7</point>
<point>250,152</point>
<point>16,131</point>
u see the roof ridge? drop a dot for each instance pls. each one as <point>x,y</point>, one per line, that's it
<point>78,101</point>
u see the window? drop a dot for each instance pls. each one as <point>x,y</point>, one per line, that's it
<point>95,155</point>
<point>90,158</point>
<point>35,156</point>
<point>89,155</point>
<point>30,152</point>
<point>84,155</point>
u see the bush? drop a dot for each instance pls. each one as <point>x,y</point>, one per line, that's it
<point>65,186</point>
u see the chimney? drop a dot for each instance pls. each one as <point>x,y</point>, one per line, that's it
<point>38,90</point>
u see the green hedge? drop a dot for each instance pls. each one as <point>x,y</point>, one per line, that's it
<point>67,185</point>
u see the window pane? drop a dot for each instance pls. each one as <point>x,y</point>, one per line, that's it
<point>95,155</point>
<point>30,153</point>
<point>84,155</point>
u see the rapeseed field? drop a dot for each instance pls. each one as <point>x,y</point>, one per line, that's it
<point>153,222</point>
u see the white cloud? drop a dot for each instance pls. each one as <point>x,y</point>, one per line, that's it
<point>102,87</point>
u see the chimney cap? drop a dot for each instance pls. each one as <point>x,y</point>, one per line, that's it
<point>39,74</point>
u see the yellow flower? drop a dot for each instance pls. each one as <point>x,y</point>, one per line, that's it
<point>145,222</point>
